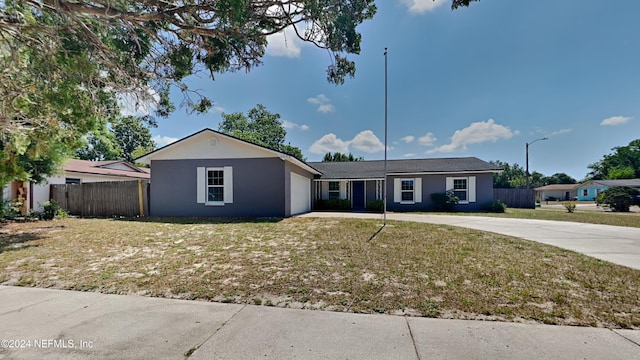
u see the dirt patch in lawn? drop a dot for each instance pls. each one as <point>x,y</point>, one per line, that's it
<point>329,264</point>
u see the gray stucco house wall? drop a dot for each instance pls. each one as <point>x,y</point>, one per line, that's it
<point>437,184</point>
<point>258,189</point>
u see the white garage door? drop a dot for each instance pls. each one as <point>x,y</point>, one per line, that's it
<point>300,194</point>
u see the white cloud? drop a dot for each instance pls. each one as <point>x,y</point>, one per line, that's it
<point>163,140</point>
<point>320,99</point>
<point>329,143</point>
<point>478,132</point>
<point>326,108</point>
<point>409,155</point>
<point>284,43</point>
<point>408,139</point>
<point>560,132</point>
<point>427,140</point>
<point>291,125</point>
<point>615,120</point>
<point>365,141</point>
<point>368,142</point>
<point>423,6</point>
<point>323,102</point>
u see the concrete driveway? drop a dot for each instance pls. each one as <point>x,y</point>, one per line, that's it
<point>616,244</point>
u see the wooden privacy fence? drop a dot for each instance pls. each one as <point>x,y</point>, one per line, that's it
<point>112,198</point>
<point>516,198</point>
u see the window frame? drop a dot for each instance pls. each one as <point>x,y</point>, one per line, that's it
<point>412,191</point>
<point>207,186</point>
<point>464,190</point>
<point>585,192</point>
<point>333,192</point>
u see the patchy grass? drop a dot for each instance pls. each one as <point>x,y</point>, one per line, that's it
<point>586,216</point>
<point>408,269</point>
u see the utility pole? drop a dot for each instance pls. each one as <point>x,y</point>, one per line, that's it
<point>385,185</point>
<point>527,157</point>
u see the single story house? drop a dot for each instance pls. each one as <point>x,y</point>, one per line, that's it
<point>589,190</point>
<point>555,192</point>
<point>74,171</point>
<point>213,174</point>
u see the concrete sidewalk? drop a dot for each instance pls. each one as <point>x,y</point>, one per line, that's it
<point>616,244</point>
<point>55,324</point>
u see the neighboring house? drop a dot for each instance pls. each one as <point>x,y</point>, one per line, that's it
<point>555,192</point>
<point>411,182</point>
<point>73,172</point>
<point>212,174</point>
<point>589,190</point>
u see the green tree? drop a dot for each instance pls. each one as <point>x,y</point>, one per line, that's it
<point>167,40</point>
<point>48,104</point>
<point>559,178</point>
<point>99,144</point>
<point>259,126</point>
<point>617,164</point>
<point>515,177</point>
<point>66,62</point>
<point>512,176</point>
<point>621,172</point>
<point>337,156</point>
<point>618,198</point>
<point>132,136</point>
<point>126,138</point>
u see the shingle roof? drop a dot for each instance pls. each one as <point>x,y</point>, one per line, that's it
<point>375,169</point>
<point>96,168</point>
<point>557,187</point>
<point>620,182</point>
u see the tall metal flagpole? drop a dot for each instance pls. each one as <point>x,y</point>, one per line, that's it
<point>384,189</point>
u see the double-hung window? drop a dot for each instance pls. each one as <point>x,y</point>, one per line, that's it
<point>334,189</point>
<point>215,186</point>
<point>406,190</point>
<point>461,189</point>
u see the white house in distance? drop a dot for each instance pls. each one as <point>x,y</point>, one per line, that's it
<point>73,172</point>
<point>560,192</point>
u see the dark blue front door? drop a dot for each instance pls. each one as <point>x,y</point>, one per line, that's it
<point>358,195</point>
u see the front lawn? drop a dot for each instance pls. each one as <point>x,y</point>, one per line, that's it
<point>330,264</point>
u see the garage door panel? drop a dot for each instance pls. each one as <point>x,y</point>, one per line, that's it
<point>300,194</point>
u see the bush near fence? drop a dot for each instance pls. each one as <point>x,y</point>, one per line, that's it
<point>99,199</point>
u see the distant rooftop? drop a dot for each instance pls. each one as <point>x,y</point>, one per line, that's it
<point>106,168</point>
<point>620,182</point>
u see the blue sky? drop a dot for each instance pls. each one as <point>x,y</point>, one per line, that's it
<point>479,81</point>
